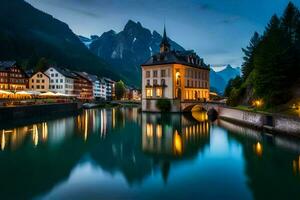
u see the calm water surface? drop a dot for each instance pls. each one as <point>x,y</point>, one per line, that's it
<point>122,154</point>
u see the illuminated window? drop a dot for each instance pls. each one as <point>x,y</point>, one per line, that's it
<point>149,92</point>
<point>159,92</point>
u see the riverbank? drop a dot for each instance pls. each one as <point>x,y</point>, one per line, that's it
<point>274,123</point>
<point>14,113</point>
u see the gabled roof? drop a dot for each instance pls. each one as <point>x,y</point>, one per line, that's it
<point>32,74</point>
<point>189,58</point>
<point>65,72</point>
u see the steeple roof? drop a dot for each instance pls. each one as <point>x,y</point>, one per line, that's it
<point>165,40</point>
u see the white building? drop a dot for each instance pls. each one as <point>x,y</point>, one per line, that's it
<point>61,80</point>
<point>110,88</point>
<point>96,86</point>
<point>103,89</point>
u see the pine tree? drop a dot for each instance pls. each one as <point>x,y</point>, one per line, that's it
<point>248,65</point>
<point>272,63</point>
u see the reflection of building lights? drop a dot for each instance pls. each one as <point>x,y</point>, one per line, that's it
<point>177,143</point>
<point>258,149</point>
<point>158,130</point>
<point>3,141</point>
<point>85,125</point>
<point>296,165</point>
<point>149,130</point>
<point>44,131</point>
<point>35,135</point>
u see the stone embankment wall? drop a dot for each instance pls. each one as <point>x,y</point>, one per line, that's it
<point>24,112</point>
<point>273,123</point>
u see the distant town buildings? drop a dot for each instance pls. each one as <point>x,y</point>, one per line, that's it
<point>82,85</point>
<point>61,80</point>
<point>12,77</point>
<point>110,89</point>
<point>173,75</point>
<point>40,82</point>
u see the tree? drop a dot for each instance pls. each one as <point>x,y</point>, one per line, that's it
<point>42,64</point>
<point>164,105</point>
<point>248,64</point>
<point>120,89</point>
<point>273,61</point>
<point>233,83</point>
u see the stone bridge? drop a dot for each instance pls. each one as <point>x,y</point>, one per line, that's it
<point>189,106</point>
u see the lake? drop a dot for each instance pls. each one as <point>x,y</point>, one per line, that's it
<point>120,153</point>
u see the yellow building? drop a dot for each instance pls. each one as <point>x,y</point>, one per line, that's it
<point>39,82</point>
<point>175,75</point>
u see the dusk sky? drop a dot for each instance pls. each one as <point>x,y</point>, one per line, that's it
<point>215,29</point>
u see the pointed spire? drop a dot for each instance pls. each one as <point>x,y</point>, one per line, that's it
<point>165,45</point>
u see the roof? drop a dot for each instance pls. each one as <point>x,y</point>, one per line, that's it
<point>83,75</point>
<point>189,58</point>
<point>65,72</point>
<point>7,64</point>
<point>34,73</point>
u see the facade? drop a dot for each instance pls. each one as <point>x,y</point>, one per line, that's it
<point>61,80</point>
<point>83,87</point>
<point>12,77</point>
<point>103,87</point>
<point>110,89</point>
<point>39,82</point>
<point>96,85</point>
<point>175,75</point>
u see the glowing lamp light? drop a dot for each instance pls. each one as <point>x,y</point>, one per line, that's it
<point>258,149</point>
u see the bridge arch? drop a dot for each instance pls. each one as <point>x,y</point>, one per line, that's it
<point>194,108</point>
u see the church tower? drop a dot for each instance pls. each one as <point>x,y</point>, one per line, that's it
<point>165,45</point>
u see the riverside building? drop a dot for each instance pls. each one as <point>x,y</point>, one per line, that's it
<point>178,76</point>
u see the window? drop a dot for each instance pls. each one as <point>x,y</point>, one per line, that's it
<point>154,82</point>
<point>52,75</point>
<point>163,82</point>
<point>163,73</point>
<point>43,87</point>
<point>148,92</point>
<point>154,73</point>
<point>148,82</point>
<point>159,92</point>
<point>43,81</point>
<point>56,80</point>
<point>38,87</point>
<point>38,81</point>
<point>61,80</point>
<point>32,80</point>
<point>147,74</point>
<point>56,75</point>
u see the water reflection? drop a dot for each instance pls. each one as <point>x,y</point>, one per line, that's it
<point>120,153</point>
<point>174,135</point>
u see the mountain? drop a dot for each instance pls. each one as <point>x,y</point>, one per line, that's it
<point>128,49</point>
<point>217,82</point>
<point>229,73</point>
<point>28,34</point>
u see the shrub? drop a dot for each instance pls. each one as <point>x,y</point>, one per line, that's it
<point>164,105</point>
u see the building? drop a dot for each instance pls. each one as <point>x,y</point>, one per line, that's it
<point>103,91</point>
<point>40,82</point>
<point>110,89</point>
<point>96,85</point>
<point>61,80</point>
<point>12,76</point>
<point>174,75</point>
<point>83,87</point>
